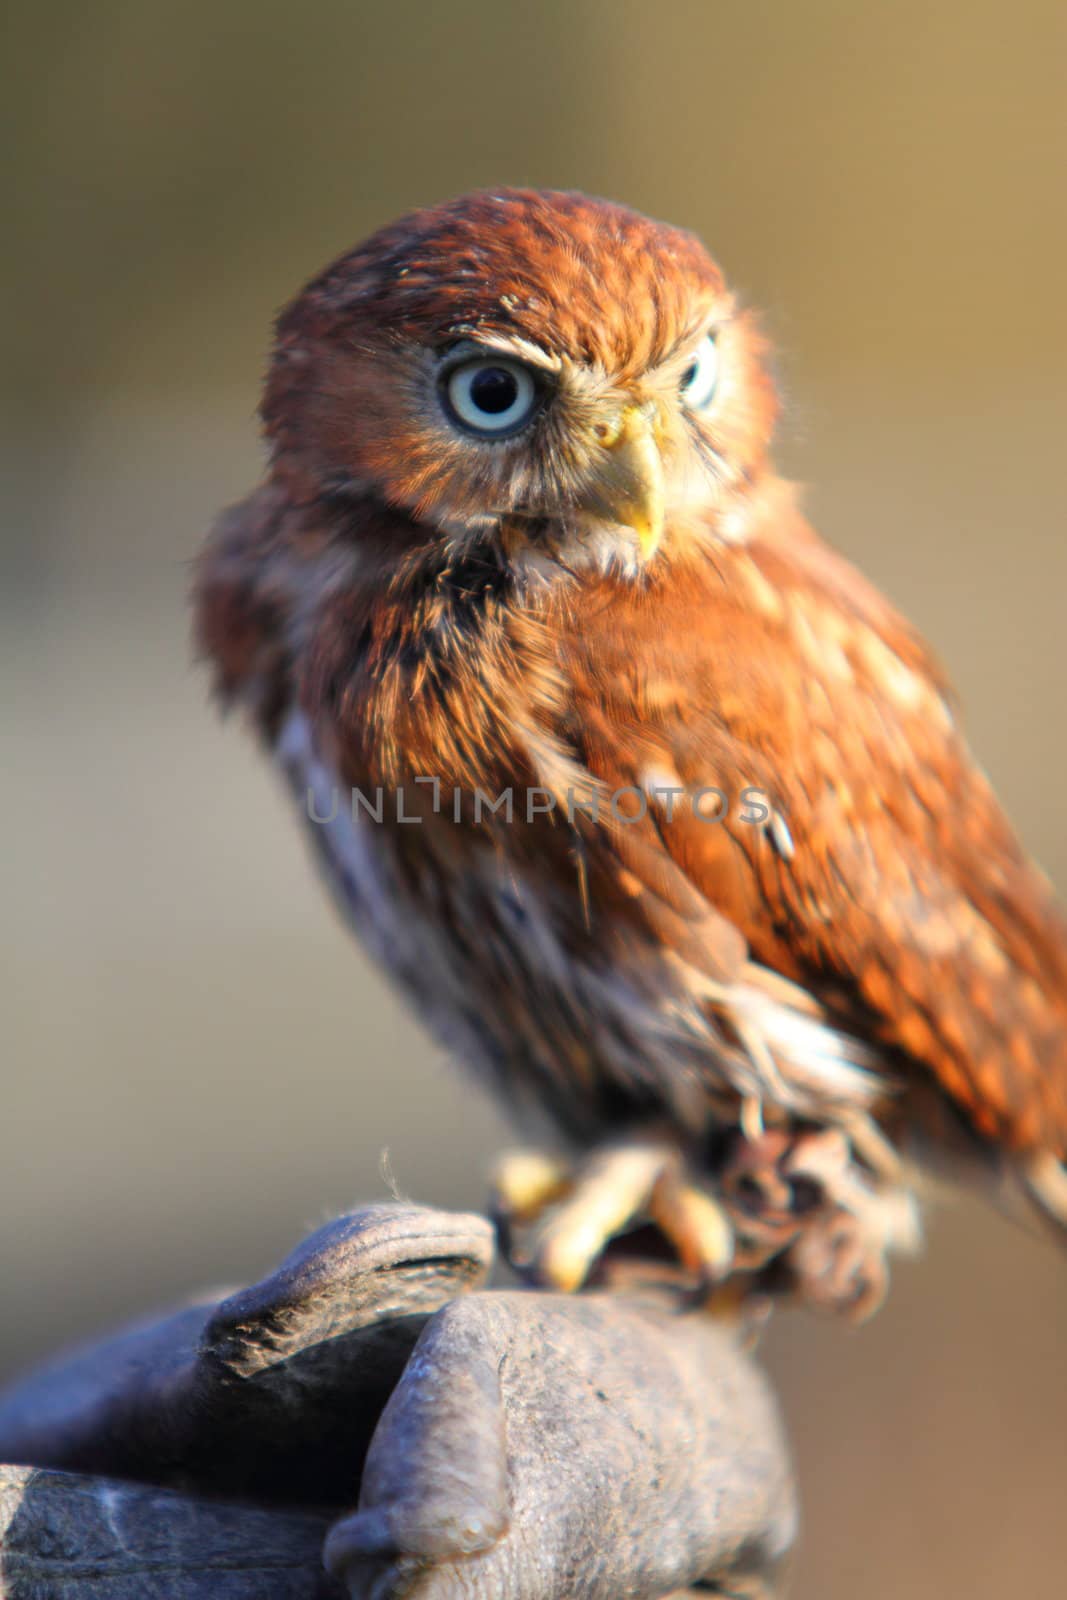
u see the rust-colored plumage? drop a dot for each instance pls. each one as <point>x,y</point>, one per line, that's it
<point>521,534</point>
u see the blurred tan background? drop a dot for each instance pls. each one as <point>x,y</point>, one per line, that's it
<point>198,1063</point>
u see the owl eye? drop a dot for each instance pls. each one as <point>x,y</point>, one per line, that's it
<point>491,396</point>
<point>699,379</point>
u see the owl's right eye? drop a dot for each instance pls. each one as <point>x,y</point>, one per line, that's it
<point>491,396</point>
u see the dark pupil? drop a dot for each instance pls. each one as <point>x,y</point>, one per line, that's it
<point>493,390</point>
<point>688,375</point>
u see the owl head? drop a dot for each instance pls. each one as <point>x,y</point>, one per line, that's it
<point>533,365</point>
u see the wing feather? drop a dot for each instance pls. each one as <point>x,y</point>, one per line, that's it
<point>882,877</point>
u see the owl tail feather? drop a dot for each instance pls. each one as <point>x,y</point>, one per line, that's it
<point>1044,1178</point>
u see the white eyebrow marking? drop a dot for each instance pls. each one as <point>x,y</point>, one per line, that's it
<point>473,342</point>
<point>515,346</point>
<point>688,343</point>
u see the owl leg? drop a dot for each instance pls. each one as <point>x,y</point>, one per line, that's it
<point>801,1201</point>
<point>789,1209</point>
<point>618,1185</point>
<point>613,1188</point>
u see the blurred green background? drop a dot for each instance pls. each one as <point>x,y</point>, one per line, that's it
<point>198,1063</point>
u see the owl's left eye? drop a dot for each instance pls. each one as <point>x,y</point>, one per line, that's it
<point>491,396</point>
<point>700,378</point>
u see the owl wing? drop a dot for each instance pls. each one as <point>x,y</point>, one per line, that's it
<point>244,598</point>
<point>861,854</point>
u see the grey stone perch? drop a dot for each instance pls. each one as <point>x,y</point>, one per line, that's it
<point>371,1406</point>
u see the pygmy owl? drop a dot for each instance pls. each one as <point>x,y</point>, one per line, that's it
<point>658,812</point>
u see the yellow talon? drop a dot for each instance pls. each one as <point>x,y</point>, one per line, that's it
<point>614,1189</point>
<point>524,1182</point>
<point>696,1225</point>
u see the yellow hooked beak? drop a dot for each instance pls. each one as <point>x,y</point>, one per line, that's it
<point>628,487</point>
